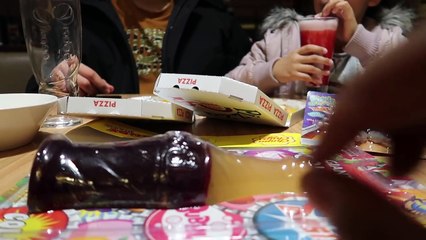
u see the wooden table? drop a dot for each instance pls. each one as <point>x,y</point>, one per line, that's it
<point>16,164</point>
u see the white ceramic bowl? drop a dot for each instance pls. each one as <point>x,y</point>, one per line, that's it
<point>21,115</point>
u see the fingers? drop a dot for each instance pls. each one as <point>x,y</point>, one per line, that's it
<point>304,64</point>
<point>342,10</point>
<point>313,54</point>
<point>310,67</point>
<point>357,211</point>
<point>338,8</point>
<point>328,7</point>
<point>86,89</point>
<point>313,79</point>
<point>310,73</point>
<point>311,49</point>
<point>91,83</point>
<point>316,60</point>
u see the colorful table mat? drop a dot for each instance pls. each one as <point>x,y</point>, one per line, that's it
<point>274,216</point>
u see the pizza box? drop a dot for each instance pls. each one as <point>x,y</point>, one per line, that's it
<point>142,107</point>
<point>221,97</point>
<point>295,109</point>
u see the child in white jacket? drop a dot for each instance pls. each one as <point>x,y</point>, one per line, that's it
<point>279,66</point>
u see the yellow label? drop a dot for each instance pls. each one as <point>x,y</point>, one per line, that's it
<point>119,129</point>
<point>256,140</point>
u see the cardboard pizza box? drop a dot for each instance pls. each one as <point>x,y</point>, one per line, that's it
<point>221,97</point>
<point>295,109</point>
<point>143,107</point>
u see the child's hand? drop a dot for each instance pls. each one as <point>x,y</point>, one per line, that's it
<point>343,10</point>
<point>302,65</point>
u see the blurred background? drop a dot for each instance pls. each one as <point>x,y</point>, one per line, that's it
<point>249,12</point>
<point>14,63</point>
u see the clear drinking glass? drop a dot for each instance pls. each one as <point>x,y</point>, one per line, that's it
<point>52,30</point>
<point>319,31</point>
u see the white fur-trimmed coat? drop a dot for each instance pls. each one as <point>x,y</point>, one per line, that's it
<point>281,36</point>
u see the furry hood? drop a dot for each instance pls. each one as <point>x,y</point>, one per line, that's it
<point>278,17</point>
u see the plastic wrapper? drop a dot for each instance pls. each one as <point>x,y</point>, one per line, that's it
<point>164,171</point>
<point>171,170</point>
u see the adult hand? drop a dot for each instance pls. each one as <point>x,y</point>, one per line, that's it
<point>357,211</point>
<point>90,83</point>
<point>301,65</point>
<point>388,97</point>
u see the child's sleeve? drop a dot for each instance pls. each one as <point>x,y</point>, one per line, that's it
<point>256,66</point>
<point>368,45</point>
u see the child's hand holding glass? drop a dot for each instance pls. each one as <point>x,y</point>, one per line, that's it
<point>302,65</point>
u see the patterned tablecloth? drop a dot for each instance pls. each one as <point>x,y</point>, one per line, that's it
<point>275,216</point>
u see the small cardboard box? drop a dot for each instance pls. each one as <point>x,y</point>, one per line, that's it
<point>144,107</point>
<point>220,97</point>
<point>319,107</point>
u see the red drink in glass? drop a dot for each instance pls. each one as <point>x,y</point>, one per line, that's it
<point>319,31</point>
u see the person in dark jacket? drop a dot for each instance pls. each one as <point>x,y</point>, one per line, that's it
<point>200,37</point>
